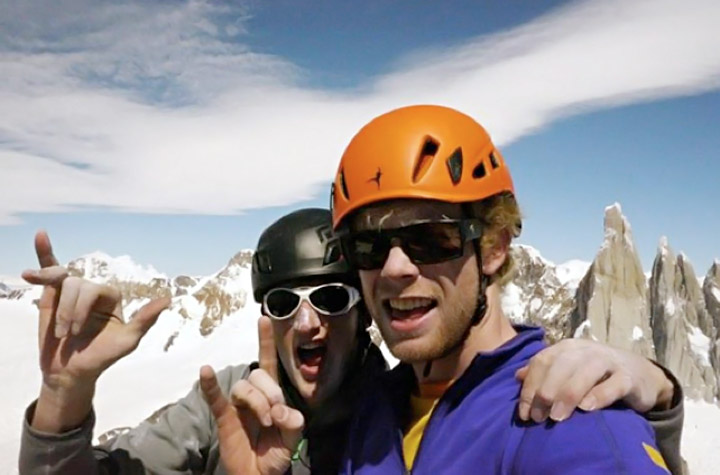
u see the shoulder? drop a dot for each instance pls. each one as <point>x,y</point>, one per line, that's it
<point>613,440</point>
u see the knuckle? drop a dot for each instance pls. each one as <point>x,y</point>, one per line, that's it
<point>257,375</point>
<point>626,381</point>
<point>527,396</point>
<point>239,388</point>
<point>544,397</point>
<point>571,395</point>
<point>542,359</point>
<point>598,364</point>
<point>61,317</point>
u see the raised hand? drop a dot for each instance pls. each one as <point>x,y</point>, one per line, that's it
<point>258,432</point>
<point>589,375</point>
<point>81,333</point>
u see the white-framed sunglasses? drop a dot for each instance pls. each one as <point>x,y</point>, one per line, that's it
<point>328,299</point>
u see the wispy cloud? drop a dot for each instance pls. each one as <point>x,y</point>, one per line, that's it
<point>160,108</point>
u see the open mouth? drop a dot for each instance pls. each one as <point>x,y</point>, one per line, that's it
<point>409,308</point>
<point>311,357</point>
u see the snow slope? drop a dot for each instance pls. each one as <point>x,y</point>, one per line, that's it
<point>150,377</point>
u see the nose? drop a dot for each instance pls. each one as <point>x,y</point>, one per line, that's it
<point>306,319</point>
<point>399,266</point>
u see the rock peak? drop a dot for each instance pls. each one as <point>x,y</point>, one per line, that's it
<point>614,208</point>
<point>612,298</point>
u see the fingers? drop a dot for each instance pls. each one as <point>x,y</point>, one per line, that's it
<point>577,387</point>
<point>527,393</point>
<point>147,315</point>
<point>78,299</point>
<point>219,405</point>
<point>53,275</point>
<point>259,393</point>
<point>535,396</point>
<point>559,377</point>
<point>65,313</point>
<point>232,435</point>
<point>290,422</point>
<point>522,373</point>
<point>44,251</point>
<point>246,396</point>
<point>267,357</point>
<point>88,300</point>
<point>268,386</point>
<point>584,374</point>
<point>613,389</point>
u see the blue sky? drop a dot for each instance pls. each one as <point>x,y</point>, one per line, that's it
<point>175,131</point>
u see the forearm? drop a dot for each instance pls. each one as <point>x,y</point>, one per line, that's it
<point>46,453</point>
<point>62,409</point>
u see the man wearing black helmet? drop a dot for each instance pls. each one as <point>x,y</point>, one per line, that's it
<point>287,414</point>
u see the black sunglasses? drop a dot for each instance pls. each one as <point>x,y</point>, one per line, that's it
<point>428,242</point>
<point>328,299</point>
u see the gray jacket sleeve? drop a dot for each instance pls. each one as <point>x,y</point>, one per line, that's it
<point>182,440</point>
<point>668,425</point>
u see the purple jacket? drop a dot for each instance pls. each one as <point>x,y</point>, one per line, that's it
<point>474,428</point>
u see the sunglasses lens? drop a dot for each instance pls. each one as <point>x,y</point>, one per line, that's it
<point>366,250</point>
<point>430,243</point>
<point>425,243</point>
<point>331,298</point>
<point>281,303</point>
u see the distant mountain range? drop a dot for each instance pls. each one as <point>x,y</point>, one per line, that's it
<point>671,316</point>
<point>668,314</point>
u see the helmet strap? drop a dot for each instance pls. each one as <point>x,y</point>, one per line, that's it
<point>481,306</point>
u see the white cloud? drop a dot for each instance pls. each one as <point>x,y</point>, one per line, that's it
<point>152,107</point>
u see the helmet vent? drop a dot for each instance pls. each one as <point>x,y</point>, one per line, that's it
<point>494,160</point>
<point>455,165</point>
<point>324,233</point>
<point>262,262</point>
<point>479,171</point>
<point>343,185</point>
<point>425,158</point>
<point>332,253</point>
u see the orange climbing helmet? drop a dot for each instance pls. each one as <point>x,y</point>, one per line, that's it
<point>427,152</point>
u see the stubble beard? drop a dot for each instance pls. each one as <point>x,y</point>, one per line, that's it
<point>452,329</point>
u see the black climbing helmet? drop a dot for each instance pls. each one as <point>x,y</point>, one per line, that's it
<point>298,245</point>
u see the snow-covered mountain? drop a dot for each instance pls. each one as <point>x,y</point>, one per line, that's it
<point>542,293</point>
<point>212,320</point>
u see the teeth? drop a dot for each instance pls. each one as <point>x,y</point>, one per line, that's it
<point>410,303</point>
<point>312,346</point>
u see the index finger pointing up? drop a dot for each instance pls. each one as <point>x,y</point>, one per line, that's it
<point>268,352</point>
<point>44,251</point>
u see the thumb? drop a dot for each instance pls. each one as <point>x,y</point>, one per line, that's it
<point>290,422</point>
<point>147,315</point>
<point>235,447</point>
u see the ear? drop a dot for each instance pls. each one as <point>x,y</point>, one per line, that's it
<point>495,257</point>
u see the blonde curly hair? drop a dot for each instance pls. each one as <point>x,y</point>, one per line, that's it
<point>502,217</point>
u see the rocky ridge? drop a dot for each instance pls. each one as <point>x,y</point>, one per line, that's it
<point>670,315</point>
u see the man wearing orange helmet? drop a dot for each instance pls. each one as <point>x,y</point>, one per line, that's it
<point>425,209</point>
